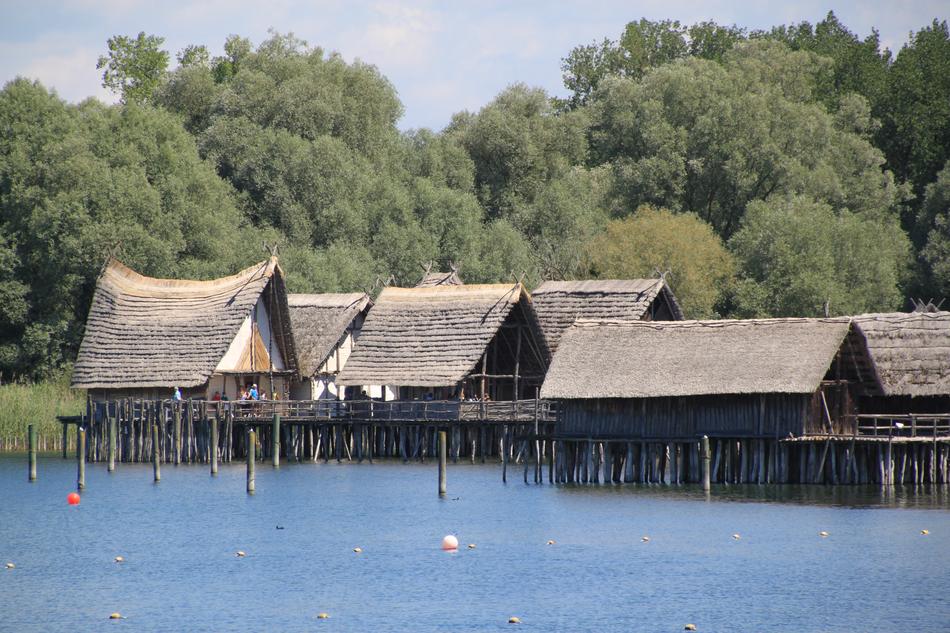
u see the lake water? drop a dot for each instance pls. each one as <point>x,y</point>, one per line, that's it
<point>874,572</point>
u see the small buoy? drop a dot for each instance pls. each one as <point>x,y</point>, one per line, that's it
<point>72,498</point>
<point>240,554</point>
<point>450,543</point>
<point>689,627</point>
<point>925,532</point>
<point>358,550</point>
<point>551,542</point>
<point>645,539</point>
<point>323,615</point>
<point>119,559</point>
<point>10,566</point>
<point>823,534</point>
<point>115,616</point>
<point>514,620</point>
<point>471,546</point>
<point>736,536</point>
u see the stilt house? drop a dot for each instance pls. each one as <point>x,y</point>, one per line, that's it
<point>909,360</point>
<point>766,378</point>
<point>560,303</point>
<point>146,336</point>
<point>449,342</point>
<point>326,327</point>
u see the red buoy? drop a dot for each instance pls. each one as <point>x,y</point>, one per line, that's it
<point>73,498</point>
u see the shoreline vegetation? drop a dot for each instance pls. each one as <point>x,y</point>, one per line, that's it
<point>36,403</point>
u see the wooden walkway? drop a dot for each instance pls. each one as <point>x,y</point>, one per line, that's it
<point>188,431</point>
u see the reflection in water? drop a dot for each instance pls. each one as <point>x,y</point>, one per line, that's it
<point>871,496</point>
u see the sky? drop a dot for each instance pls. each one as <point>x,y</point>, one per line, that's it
<point>442,57</point>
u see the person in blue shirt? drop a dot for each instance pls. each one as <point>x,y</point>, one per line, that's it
<point>177,395</point>
<point>252,394</point>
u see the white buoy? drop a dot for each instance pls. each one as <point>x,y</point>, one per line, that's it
<point>450,543</point>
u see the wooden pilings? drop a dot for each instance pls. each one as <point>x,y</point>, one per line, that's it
<point>156,454</point>
<point>251,458</point>
<point>31,440</point>
<point>81,458</point>
<point>442,462</point>
<point>275,440</point>
<point>704,448</point>
<point>214,443</point>
<point>819,460</point>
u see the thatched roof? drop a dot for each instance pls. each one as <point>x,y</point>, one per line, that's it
<point>430,279</point>
<point>560,303</point>
<point>910,352</point>
<point>147,332</point>
<point>320,323</point>
<point>643,359</point>
<point>429,337</point>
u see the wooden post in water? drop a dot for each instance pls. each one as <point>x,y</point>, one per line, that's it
<point>214,444</point>
<point>31,439</point>
<point>176,431</point>
<point>442,457</point>
<point>156,454</point>
<point>275,441</point>
<point>81,457</point>
<point>705,451</point>
<point>113,422</point>
<point>251,450</point>
<point>65,439</point>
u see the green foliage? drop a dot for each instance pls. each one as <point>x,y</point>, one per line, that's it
<point>796,254</point>
<point>934,224</point>
<point>81,182</point>
<point>915,114</point>
<point>710,138</point>
<point>653,241</point>
<point>517,144</point>
<point>133,67</point>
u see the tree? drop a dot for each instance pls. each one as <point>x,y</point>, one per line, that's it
<point>134,68</point>
<point>915,114</point>
<point>194,55</point>
<point>710,138</point>
<point>656,241</point>
<point>934,226</point>
<point>517,144</point>
<point>92,181</point>
<point>796,254</point>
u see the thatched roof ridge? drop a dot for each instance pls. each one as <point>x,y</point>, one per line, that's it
<point>320,322</point>
<point>149,332</point>
<point>428,337</point>
<point>910,351</point>
<point>647,359</point>
<point>560,303</point>
<point>430,279</point>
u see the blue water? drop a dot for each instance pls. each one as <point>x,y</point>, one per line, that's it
<point>875,572</point>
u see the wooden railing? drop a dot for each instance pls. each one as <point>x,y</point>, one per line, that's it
<point>907,425</point>
<point>393,411</point>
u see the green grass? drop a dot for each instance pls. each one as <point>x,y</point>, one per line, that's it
<point>37,404</point>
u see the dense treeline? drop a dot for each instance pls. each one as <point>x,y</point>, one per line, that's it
<point>778,173</point>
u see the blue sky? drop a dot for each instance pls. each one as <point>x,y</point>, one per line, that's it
<point>442,57</point>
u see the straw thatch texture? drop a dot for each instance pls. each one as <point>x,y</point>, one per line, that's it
<point>560,303</point>
<point>428,337</point>
<point>439,279</point>
<point>146,332</point>
<point>643,359</point>
<point>910,352</point>
<point>320,322</point>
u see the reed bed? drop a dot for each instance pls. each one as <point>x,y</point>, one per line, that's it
<point>37,404</point>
